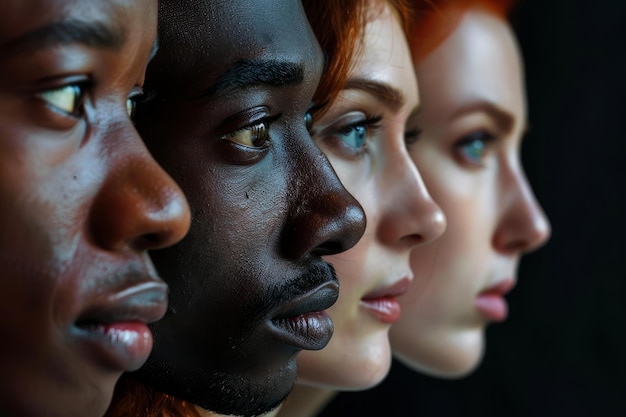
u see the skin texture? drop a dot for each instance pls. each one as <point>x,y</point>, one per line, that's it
<point>81,202</point>
<point>473,119</point>
<point>264,209</point>
<point>372,161</point>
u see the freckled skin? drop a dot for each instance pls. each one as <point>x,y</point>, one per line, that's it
<point>73,239</point>
<point>262,217</point>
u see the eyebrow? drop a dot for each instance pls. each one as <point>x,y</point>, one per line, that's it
<point>502,117</point>
<point>251,73</point>
<point>389,95</point>
<point>92,34</point>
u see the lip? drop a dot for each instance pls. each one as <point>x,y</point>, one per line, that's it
<point>383,304</point>
<point>491,303</point>
<point>114,330</point>
<point>303,323</point>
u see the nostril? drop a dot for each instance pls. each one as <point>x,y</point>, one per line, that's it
<point>328,248</point>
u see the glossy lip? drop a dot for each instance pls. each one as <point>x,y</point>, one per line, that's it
<point>491,303</point>
<point>383,304</point>
<point>303,323</point>
<point>114,330</point>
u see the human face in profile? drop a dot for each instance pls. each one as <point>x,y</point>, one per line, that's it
<point>248,284</point>
<point>365,133</point>
<point>81,202</point>
<point>473,119</point>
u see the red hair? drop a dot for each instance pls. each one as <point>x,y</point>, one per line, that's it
<point>134,399</point>
<point>339,27</point>
<point>433,20</point>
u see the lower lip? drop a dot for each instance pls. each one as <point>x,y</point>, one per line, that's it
<point>123,346</point>
<point>385,309</point>
<point>310,331</point>
<point>493,306</point>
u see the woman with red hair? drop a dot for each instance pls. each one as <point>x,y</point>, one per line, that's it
<point>473,118</point>
<point>366,133</point>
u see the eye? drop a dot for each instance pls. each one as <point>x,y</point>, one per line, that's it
<point>67,99</point>
<point>254,136</point>
<point>474,147</point>
<point>135,97</point>
<point>354,135</point>
<point>412,136</point>
<point>308,121</point>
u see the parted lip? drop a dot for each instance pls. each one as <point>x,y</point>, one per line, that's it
<point>396,289</point>
<point>144,302</point>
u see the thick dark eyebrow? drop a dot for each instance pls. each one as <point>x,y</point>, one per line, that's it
<point>390,96</point>
<point>252,73</point>
<point>92,34</point>
<point>502,117</point>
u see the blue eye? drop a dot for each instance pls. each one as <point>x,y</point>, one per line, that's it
<point>353,136</point>
<point>474,147</point>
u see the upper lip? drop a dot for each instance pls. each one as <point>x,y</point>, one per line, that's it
<point>501,287</point>
<point>317,299</point>
<point>396,289</point>
<point>144,302</point>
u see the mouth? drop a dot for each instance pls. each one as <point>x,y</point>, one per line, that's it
<point>383,303</point>
<point>491,303</point>
<point>303,323</point>
<point>115,330</point>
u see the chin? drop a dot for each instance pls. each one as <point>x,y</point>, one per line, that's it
<point>452,357</point>
<point>354,365</point>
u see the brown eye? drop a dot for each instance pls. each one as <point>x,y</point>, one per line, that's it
<point>308,121</point>
<point>252,136</point>
<point>67,99</point>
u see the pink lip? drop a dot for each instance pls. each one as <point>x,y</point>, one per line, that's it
<point>383,304</point>
<point>491,303</point>
<point>115,328</point>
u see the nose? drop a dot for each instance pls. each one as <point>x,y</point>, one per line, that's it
<point>325,219</point>
<point>523,226</point>
<point>410,216</point>
<point>138,207</point>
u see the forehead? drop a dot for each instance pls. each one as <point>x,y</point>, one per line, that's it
<point>209,35</point>
<point>19,17</point>
<point>478,61</point>
<point>385,56</point>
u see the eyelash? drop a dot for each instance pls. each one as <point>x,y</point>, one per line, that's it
<point>367,125</point>
<point>253,128</point>
<point>412,136</point>
<point>462,147</point>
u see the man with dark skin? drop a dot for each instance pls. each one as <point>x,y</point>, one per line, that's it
<point>81,203</point>
<point>232,85</point>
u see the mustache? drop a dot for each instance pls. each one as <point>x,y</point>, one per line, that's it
<point>317,275</point>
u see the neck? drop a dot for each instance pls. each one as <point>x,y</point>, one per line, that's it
<point>306,401</point>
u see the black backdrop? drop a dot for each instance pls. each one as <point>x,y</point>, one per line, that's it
<point>563,350</point>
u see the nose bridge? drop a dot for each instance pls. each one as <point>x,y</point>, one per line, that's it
<point>523,224</point>
<point>138,206</point>
<point>324,218</point>
<point>411,216</point>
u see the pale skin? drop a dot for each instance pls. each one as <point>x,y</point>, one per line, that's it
<point>365,135</point>
<point>473,120</point>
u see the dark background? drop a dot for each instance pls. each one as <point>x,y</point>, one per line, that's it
<point>563,350</point>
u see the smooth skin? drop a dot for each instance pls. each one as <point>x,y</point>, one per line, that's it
<point>366,135</point>
<point>473,119</point>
